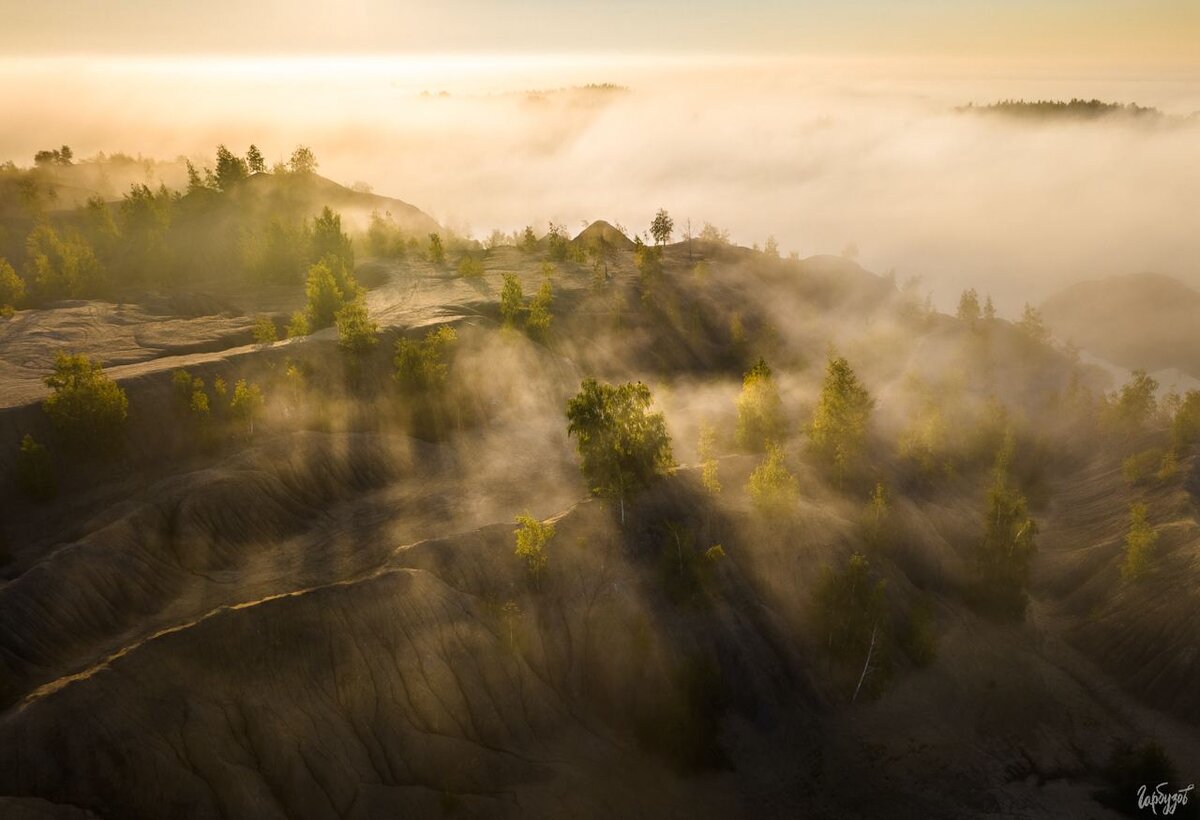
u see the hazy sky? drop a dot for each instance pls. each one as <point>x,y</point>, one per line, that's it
<point>1142,32</point>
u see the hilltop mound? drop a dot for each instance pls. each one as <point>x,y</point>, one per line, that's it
<point>315,192</point>
<point>603,231</point>
<point>1143,320</point>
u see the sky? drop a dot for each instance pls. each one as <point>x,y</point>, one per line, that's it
<point>828,125</point>
<point>1158,34</point>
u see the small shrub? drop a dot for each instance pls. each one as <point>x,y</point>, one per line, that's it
<point>265,331</point>
<point>532,537</point>
<point>470,267</point>
<point>356,332</point>
<point>1139,544</point>
<point>35,471</point>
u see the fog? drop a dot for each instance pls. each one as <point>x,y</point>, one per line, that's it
<point>822,155</point>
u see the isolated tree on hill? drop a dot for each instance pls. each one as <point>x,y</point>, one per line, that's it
<point>529,240</point>
<point>1032,325</point>
<point>968,306</point>
<point>12,287</point>
<point>1134,406</point>
<point>437,253</point>
<point>707,450</point>
<point>35,471</point>
<point>771,248</point>
<point>850,614</point>
<point>424,366</point>
<point>323,295</point>
<point>87,407</point>
<point>772,486</point>
<point>264,330</point>
<point>839,424</point>
<point>662,227</point>
<point>254,160</point>
<point>1185,426</point>
<point>1005,552</point>
<point>539,318</point>
<point>556,242</point>
<point>246,404</point>
<point>1139,544</point>
<point>356,332</point>
<point>989,310</point>
<point>512,300</point>
<point>328,239</point>
<point>303,161</point>
<point>759,409</point>
<point>532,537</point>
<point>877,515</point>
<point>54,156</point>
<point>622,446</point>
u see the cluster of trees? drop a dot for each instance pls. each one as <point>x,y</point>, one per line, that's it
<point>158,236</point>
<point>87,411</point>
<point>424,366</point>
<point>535,314</point>
<point>208,411</point>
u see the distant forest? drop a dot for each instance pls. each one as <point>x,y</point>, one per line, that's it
<point>1075,109</point>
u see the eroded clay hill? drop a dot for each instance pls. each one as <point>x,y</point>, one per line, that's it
<point>325,618</point>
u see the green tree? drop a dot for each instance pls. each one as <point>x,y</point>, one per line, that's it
<point>1005,552</point>
<point>247,404</point>
<point>231,169</point>
<point>539,318</point>
<point>437,253</point>
<point>707,449</point>
<point>298,325</point>
<point>425,365</point>
<point>989,310</point>
<point>512,300</point>
<point>35,471</point>
<point>470,266</point>
<point>1032,325</point>
<point>264,330</point>
<point>556,242</point>
<point>529,240</point>
<point>62,266</point>
<point>1139,544</point>
<point>968,306</point>
<point>661,227</point>
<point>533,536</point>
<point>622,446</point>
<point>356,332</point>
<point>1135,404</point>
<point>772,486</point>
<point>87,407</point>
<point>303,161</point>
<point>839,424</point>
<point>254,160</point>
<point>759,409</point>
<point>145,217</point>
<point>12,287</point>
<point>328,240</point>
<point>323,296</point>
<point>878,509</point>
<point>1185,426</point>
<point>850,615</point>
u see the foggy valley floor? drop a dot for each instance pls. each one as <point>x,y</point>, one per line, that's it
<point>872,560</point>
